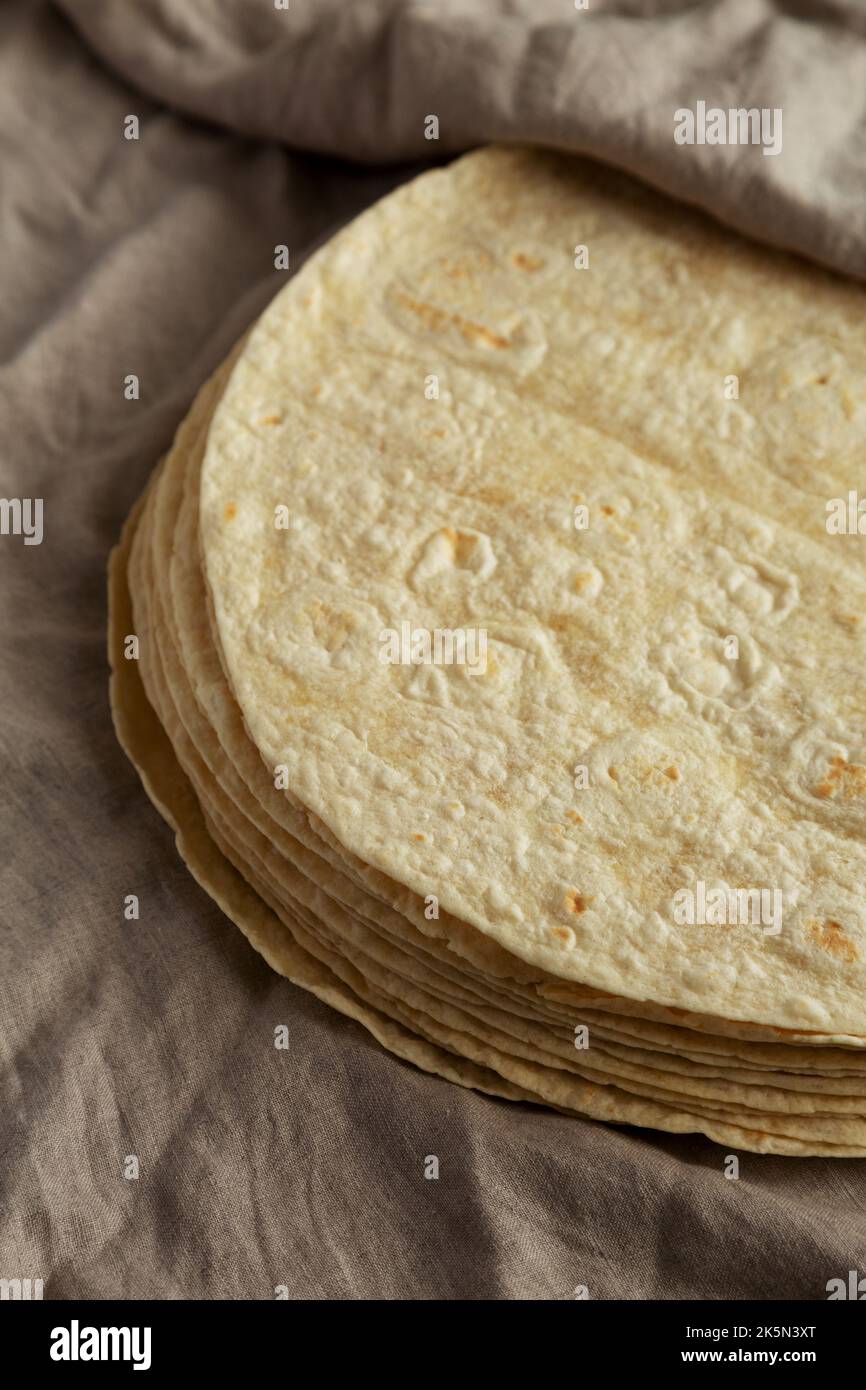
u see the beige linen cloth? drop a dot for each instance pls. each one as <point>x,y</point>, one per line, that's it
<point>154,1038</point>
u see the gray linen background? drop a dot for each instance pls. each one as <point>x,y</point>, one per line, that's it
<point>305,1167</point>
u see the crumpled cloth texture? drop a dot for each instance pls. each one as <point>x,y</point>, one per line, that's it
<point>154,1039</point>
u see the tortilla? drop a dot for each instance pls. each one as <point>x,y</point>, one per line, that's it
<point>561,388</point>
<point>241,662</point>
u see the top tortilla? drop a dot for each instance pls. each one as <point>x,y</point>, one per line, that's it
<point>602,387</point>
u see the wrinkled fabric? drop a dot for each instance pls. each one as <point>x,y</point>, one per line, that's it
<point>153,1039</point>
<point>358,80</point>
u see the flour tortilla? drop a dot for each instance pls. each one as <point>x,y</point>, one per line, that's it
<point>708,518</point>
<point>358,936</point>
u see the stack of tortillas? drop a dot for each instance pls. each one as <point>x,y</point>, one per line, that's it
<point>603,846</point>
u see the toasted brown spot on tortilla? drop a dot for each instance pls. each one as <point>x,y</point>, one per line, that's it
<point>577,902</point>
<point>463,543</point>
<point>575,816</point>
<point>524,262</point>
<point>830,936</point>
<point>845,780</point>
<point>230,511</point>
<point>437,320</point>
